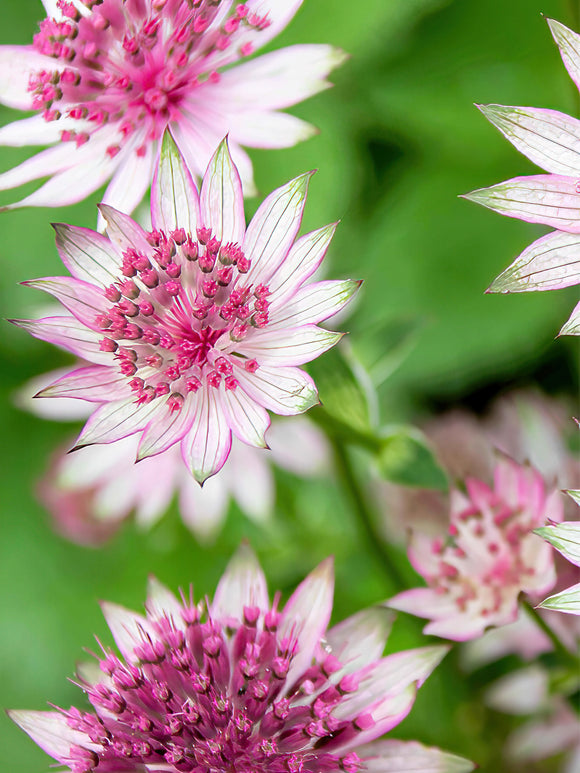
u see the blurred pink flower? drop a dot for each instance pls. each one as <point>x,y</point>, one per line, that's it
<point>553,727</point>
<point>108,76</point>
<point>92,492</point>
<point>195,328</point>
<point>236,684</point>
<point>552,141</point>
<point>490,556</point>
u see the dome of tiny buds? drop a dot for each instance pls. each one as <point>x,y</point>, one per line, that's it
<point>174,309</point>
<point>237,685</point>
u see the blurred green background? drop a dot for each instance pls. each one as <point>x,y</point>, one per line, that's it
<point>399,140</point>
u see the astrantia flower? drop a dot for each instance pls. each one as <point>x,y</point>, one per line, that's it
<point>92,492</point>
<point>237,685</point>
<point>565,537</point>
<point>108,76</point>
<point>552,141</point>
<point>195,328</point>
<point>489,557</point>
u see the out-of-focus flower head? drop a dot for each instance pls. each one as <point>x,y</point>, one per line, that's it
<point>108,76</point>
<point>197,327</point>
<point>565,537</point>
<point>238,684</point>
<point>553,728</point>
<point>552,141</point>
<point>489,556</point>
<point>90,493</point>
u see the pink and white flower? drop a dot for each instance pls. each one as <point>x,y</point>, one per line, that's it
<point>552,141</point>
<point>565,537</point>
<point>197,327</point>
<point>237,684</point>
<point>489,557</point>
<point>107,77</point>
<point>92,492</point>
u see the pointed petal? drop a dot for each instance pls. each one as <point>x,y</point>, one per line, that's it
<point>289,346</point>
<point>393,756</point>
<point>65,409</point>
<point>49,729</point>
<point>166,429</point>
<point>83,300</point>
<point>572,326</point>
<point>127,628</point>
<point>37,131</point>
<point>360,639</point>
<point>549,263</point>
<point>549,199</point>
<point>252,483</point>
<point>306,615</point>
<point>243,584</point>
<point>567,601</point>
<point>389,677</point>
<point>44,164</point>
<point>302,261</point>
<point>313,304</point>
<point>458,628</point>
<point>276,80</point>
<point>88,255</point>
<point>206,446</point>
<point>174,197</point>
<point>203,509</point>
<point>162,602</point>
<point>424,602</point>
<point>286,391</point>
<point>116,420</point>
<point>17,64</point>
<point>222,201</point>
<point>246,418</point>
<point>270,130</point>
<point>96,384</point>
<point>122,230</point>
<point>130,181</point>
<point>569,45</point>
<point>565,537</point>
<point>69,334</point>
<point>87,168</point>
<point>273,229</point>
<point>548,138</point>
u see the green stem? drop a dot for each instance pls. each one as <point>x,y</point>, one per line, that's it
<point>559,647</point>
<point>365,515</point>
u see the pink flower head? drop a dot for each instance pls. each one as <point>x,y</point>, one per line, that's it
<point>195,328</point>
<point>489,557</point>
<point>552,141</point>
<point>108,76</point>
<point>237,684</point>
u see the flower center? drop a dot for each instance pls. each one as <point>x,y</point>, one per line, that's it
<point>176,315</point>
<point>134,66</point>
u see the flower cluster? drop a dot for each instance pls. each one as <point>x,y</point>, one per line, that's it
<point>489,557</point>
<point>551,140</point>
<point>565,537</point>
<point>195,328</point>
<point>238,684</point>
<point>108,77</point>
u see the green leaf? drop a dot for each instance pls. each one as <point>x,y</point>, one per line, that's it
<point>406,458</point>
